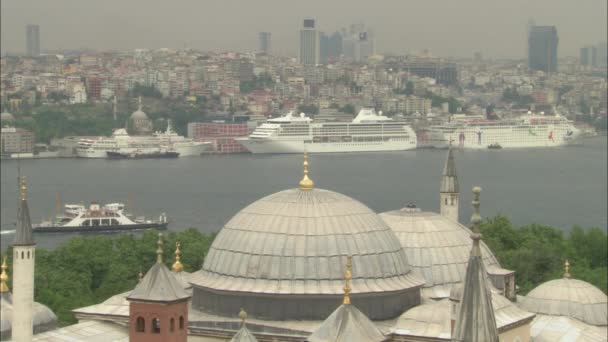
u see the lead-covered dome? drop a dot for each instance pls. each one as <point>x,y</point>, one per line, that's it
<point>436,248</point>
<point>43,320</point>
<point>290,249</point>
<point>568,297</point>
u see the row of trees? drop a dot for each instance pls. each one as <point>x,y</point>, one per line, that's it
<point>88,270</point>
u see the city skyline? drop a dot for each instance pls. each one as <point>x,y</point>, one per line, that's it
<point>446,29</point>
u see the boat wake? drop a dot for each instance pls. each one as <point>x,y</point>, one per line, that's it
<point>4,232</point>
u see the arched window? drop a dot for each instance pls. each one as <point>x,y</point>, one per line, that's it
<point>181,322</point>
<point>452,201</point>
<point>172,325</point>
<point>446,201</point>
<point>141,324</point>
<point>156,325</point>
<point>28,254</point>
<point>22,255</point>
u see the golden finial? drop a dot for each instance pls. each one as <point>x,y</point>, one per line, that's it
<point>177,265</point>
<point>140,275</point>
<point>347,277</point>
<point>567,269</point>
<point>23,189</point>
<point>159,248</point>
<point>243,316</point>
<point>306,183</point>
<point>3,276</point>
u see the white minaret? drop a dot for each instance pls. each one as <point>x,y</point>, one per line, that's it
<point>23,273</point>
<point>449,191</point>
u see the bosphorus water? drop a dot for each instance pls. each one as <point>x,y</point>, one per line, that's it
<point>560,187</point>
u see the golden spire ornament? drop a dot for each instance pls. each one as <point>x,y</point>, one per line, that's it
<point>567,269</point>
<point>140,275</point>
<point>306,183</point>
<point>3,277</point>
<point>347,277</point>
<point>23,189</point>
<point>159,248</point>
<point>177,265</point>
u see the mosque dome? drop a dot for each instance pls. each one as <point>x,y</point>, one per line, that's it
<point>139,115</point>
<point>282,257</point>
<point>44,319</point>
<point>6,117</point>
<point>436,247</point>
<point>568,297</point>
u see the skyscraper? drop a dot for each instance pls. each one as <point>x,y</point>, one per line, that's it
<point>32,40</point>
<point>309,43</point>
<point>542,48</point>
<point>265,42</point>
<point>330,47</point>
<point>584,56</point>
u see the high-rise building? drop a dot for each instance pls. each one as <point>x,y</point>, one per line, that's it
<point>330,47</point>
<point>542,48</point>
<point>358,44</point>
<point>32,40</point>
<point>584,56</point>
<point>309,43</point>
<point>265,42</point>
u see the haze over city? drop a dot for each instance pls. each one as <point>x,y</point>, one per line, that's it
<point>446,28</point>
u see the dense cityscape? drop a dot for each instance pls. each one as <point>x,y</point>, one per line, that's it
<point>87,93</point>
<point>379,236</point>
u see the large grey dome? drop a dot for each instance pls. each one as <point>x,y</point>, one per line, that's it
<point>436,247</point>
<point>295,243</point>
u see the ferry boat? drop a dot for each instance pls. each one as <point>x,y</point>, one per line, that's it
<point>369,131</point>
<point>521,132</point>
<point>122,142</point>
<point>96,218</point>
<point>138,154</point>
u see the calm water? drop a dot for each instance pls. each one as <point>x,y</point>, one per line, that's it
<point>560,187</point>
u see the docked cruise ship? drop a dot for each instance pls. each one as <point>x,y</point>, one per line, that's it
<point>369,131</point>
<point>122,142</point>
<point>524,131</point>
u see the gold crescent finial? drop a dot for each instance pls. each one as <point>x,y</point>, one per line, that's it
<point>140,275</point>
<point>306,183</point>
<point>347,277</point>
<point>23,189</point>
<point>159,248</point>
<point>567,269</point>
<point>3,276</point>
<point>177,265</point>
<point>243,316</point>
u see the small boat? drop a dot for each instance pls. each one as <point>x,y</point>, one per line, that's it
<point>494,146</point>
<point>96,218</point>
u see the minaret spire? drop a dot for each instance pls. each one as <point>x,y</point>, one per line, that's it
<point>449,190</point>
<point>24,250</point>
<point>475,321</point>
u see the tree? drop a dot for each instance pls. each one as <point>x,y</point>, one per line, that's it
<point>348,108</point>
<point>308,109</point>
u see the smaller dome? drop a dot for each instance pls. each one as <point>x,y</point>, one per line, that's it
<point>570,298</point>
<point>44,318</point>
<point>6,116</point>
<point>436,248</point>
<point>139,115</point>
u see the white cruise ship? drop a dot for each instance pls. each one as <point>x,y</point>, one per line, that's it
<point>122,142</point>
<point>369,131</point>
<point>478,133</point>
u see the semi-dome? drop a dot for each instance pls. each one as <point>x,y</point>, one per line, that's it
<point>436,248</point>
<point>568,297</point>
<point>283,256</point>
<point>6,117</point>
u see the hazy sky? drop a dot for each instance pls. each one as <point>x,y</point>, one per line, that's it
<point>497,28</point>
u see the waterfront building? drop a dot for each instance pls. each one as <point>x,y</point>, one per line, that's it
<point>32,40</point>
<point>265,42</point>
<point>309,43</point>
<point>221,135</point>
<point>542,48</point>
<point>16,140</point>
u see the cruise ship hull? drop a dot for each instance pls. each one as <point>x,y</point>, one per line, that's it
<point>471,141</point>
<point>299,146</point>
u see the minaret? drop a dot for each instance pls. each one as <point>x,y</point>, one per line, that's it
<point>23,272</point>
<point>449,191</point>
<point>475,321</point>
